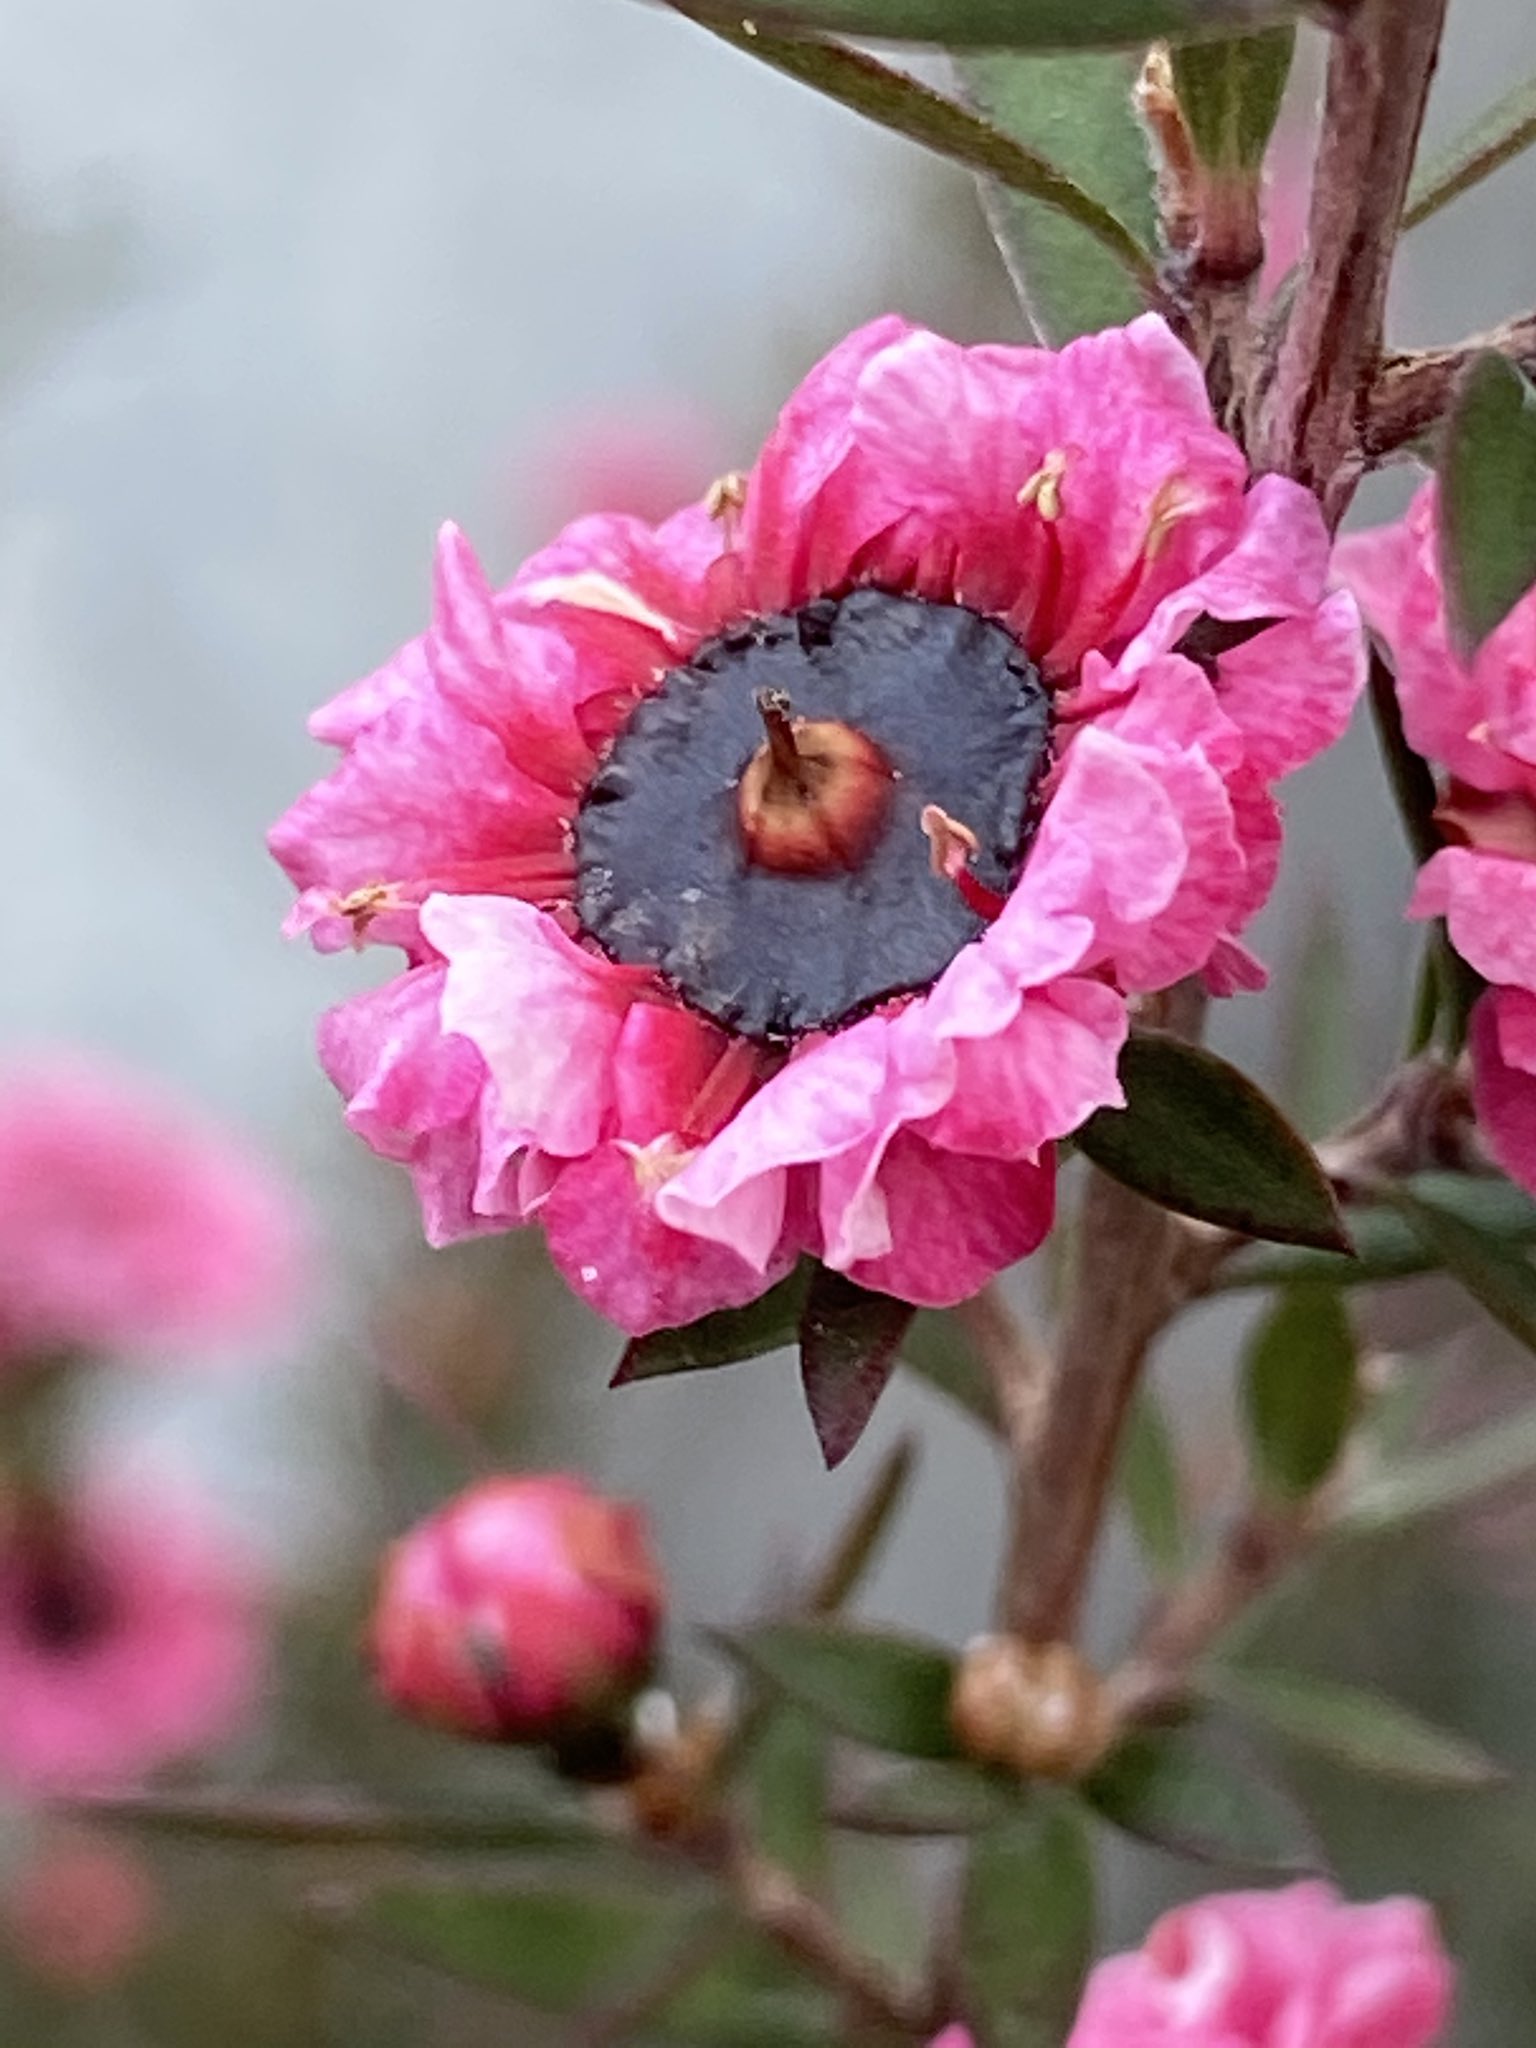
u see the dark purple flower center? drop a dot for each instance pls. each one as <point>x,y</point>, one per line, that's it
<point>945,700</point>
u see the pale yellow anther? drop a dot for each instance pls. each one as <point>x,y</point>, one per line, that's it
<point>749,28</point>
<point>1174,501</point>
<point>951,846</point>
<point>1043,489</point>
<point>361,906</point>
<point>655,1163</point>
<point>725,500</point>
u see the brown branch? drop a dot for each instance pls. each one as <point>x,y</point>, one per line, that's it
<point>1016,1366</point>
<point>1126,1290</point>
<point>1413,390</point>
<point>1379,69</point>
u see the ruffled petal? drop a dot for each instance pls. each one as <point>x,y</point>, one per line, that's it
<point>1489,904</point>
<point>954,1222</point>
<point>1502,1038</point>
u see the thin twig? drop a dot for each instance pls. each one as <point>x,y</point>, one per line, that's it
<point>1412,391</point>
<point>1017,1367</point>
<point>1379,69</point>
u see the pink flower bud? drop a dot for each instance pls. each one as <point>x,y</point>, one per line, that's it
<point>522,1611</point>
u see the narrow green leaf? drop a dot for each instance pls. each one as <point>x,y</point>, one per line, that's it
<point>1318,1039</point>
<point>304,1819</point>
<point>895,100</point>
<point>865,1530</point>
<point>747,1997</point>
<point>1199,1137</point>
<point>931,1799</point>
<point>938,1349</point>
<point>849,1337</point>
<point>1386,1248</point>
<point>1077,112</point>
<point>889,1691</point>
<point>1299,1389</point>
<point>1495,138</point>
<point>1497,1276</point>
<point>1487,498</point>
<point>1183,1790</point>
<point>1151,1487</point>
<point>1011,24</point>
<point>1229,91</point>
<point>1450,1476</point>
<point>1413,787</point>
<point>1026,1927</point>
<point>768,1324</point>
<point>1353,1726</point>
<point>786,1783</point>
<point>555,1949</point>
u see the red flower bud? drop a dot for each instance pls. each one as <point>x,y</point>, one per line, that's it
<point>523,1611</point>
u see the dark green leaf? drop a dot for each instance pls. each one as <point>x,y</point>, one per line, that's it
<point>1026,1927</point>
<point>1497,136</point>
<point>1362,1729</point>
<point>1150,1487</point>
<point>1495,1274</point>
<point>849,1337</point>
<point>1447,1477</point>
<point>1487,498</point>
<point>1077,112</point>
<point>323,1819</point>
<point>939,1350</point>
<point>725,1338</point>
<point>1299,1389</point>
<point>865,1530</point>
<point>1199,1137</point>
<point>889,1691</point>
<point>786,1779</point>
<point>747,1997</point>
<point>554,1949</point>
<point>1413,787</point>
<point>931,1799</point>
<point>895,100</point>
<point>1230,92</point>
<point>1184,1791</point>
<point>1386,1248</point>
<point>1008,24</point>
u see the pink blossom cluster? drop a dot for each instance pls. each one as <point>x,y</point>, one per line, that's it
<point>1475,722</point>
<point>1088,503</point>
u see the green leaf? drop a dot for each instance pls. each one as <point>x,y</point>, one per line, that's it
<point>1386,1247</point>
<point>1184,1791</point>
<point>938,1349</point>
<point>1007,24</point>
<point>1496,1275</point>
<point>889,1691</point>
<point>1487,498</point>
<point>1413,787</point>
<point>1495,138</point>
<point>1352,1726</point>
<point>931,1799</point>
<point>1026,1927</point>
<point>1077,112</point>
<point>554,1949</point>
<point>768,1324</point>
<point>1199,1137</point>
<point>1432,1482</point>
<point>1230,92</point>
<point>747,1997</point>
<point>786,1783</point>
<point>322,1818</point>
<point>895,100</point>
<point>865,1530</point>
<point>849,1337</point>
<point>1299,1389</point>
<point>1150,1486</point>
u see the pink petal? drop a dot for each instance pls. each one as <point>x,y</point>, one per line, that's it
<point>1291,690</point>
<point>954,1223</point>
<point>1489,903</point>
<point>1502,1037</point>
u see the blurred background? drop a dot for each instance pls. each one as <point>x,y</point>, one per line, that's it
<point>280,290</point>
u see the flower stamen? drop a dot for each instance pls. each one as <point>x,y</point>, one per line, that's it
<point>951,849</point>
<point>725,501</point>
<point>1043,490</point>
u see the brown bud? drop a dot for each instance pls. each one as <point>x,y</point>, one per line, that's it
<point>1037,1709</point>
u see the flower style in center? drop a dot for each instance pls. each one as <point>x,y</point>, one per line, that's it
<point>756,832</point>
<point>778,879</point>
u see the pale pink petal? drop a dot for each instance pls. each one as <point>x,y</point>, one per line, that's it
<point>1291,690</point>
<point>1488,901</point>
<point>954,1222</point>
<point>1502,1038</point>
<point>406,674</point>
<point>1039,1077</point>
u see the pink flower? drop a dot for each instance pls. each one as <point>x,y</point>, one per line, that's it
<point>524,1610</point>
<point>774,880</point>
<point>643,459</point>
<point>80,1910</point>
<point>130,1635</point>
<point>126,1222</point>
<point>1476,724</point>
<point>1297,1968</point>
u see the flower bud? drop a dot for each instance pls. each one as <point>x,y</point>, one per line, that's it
<point>1037,1709</point>
<point>526,1610</point>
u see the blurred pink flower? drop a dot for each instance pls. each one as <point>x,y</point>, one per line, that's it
<point>1297,1968</point>
<point>127,1221</point>
<point>700,999</point>
<point>644,460</point>
<point>80,1910</point>
<point>1476,725</point>
<point>130,1635</point>
<point>521,1610</point>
